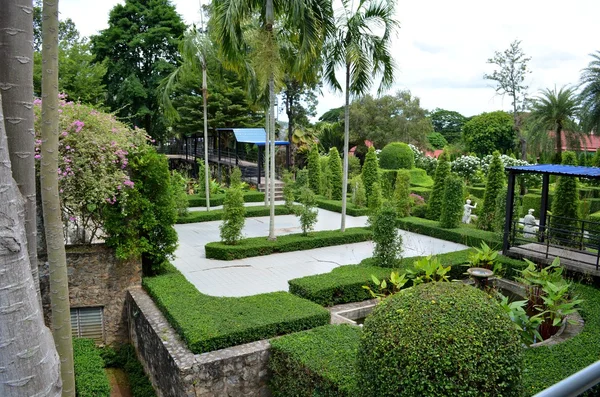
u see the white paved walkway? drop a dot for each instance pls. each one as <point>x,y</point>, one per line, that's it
<point>270,273</point>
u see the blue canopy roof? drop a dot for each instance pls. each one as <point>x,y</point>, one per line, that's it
<point>557,169</point>
<point>251,135</point>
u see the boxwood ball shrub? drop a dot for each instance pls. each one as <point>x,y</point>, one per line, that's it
<point>452,206</point>
<point>396,155</point>
<point>439,339</point>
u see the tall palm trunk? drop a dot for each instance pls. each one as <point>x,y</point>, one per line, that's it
<point>266,154</point>
<point>59,287</point>
<point>16,53</point>
<point>558,139</point>
<point>270,19</point>
<point>346,148</point>
<point>206,166</point>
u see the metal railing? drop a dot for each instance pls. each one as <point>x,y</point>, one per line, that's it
<point>575,384</point>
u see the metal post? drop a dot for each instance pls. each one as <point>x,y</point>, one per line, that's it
<point>544,207</point>
<point>287,156</point>
<point>259,166</point>
<point>219,146</point>
<point>510,201</point>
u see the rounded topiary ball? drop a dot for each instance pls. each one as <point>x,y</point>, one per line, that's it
<point>439,339</point>
<point>396,155</point>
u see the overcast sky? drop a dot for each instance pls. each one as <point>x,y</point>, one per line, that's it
<point>442,46</point>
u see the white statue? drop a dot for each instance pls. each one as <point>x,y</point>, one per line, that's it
<point>467,212</point>
<point>530,226</point>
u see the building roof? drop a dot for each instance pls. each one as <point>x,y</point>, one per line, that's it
<point>588,143</point>
<point>251,135</point>
<point>557,169</point>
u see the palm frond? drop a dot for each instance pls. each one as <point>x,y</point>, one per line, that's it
<point>590,94</point>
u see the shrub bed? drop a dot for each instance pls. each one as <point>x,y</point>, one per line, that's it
<point>217,215</point>
<point>196,200</point>
<point>318,362</point>
<point>336,206</point>
<point>90,378</point>
<point>208,323</point>
<point>258,246</point>
<point>463,234</point>
<point>125,358</point>
<point>424,192</point>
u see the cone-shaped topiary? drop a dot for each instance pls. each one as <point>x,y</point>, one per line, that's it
<point>388,243</point>
<point>402,193</point>
<point>323,165</point>
<point>565,205</point>
<point>396,155</point>
<point>439,339</point>
<point>314,170</point>
<point>493,187</point>
<point>434,206</point>
<point>335,174</point>
<point>359,197</point>
<point>375,200</point>
<point>370,172</point>
<point>452,206</point>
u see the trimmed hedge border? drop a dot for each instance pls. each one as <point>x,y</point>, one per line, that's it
<point>90,378</point>
<point>217,215</point>
<point>208,323</point>
<point>195,200</point>
<point>463,234</point>
<point>336,206</point>
<point>258,246</point>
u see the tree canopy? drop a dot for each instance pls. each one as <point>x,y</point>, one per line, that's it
<point>590,94</point>
<point>448,123</point>
<point>487,132</point>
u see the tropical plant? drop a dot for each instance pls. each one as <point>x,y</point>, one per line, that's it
<point>526,325</point>
<point>590,94</point>
<point>434,206</point>
<point>370,171</point>
<point>307,212</point>
<point>357,47</point>
<point>402,198</point>
<point>387,287</point>
<point>387,240</point>
<point>493,187</point>
<point>428,269</point>
<point>314,170</point>
<point>335,175</point>
<point>331,135</point>
<point>452,205</point>
<point>487,258</point>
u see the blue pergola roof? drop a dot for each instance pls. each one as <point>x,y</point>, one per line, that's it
<point>557,169</point>
<point>251,135</point>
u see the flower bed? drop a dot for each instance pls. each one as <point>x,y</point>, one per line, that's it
<point>217,215</point>
<point>258,246</point>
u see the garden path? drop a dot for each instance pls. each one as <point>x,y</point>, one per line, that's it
<point>250,276</point>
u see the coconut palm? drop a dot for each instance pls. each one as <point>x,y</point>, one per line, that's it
<point>361,46</point>
<point>194,49</point>
<point>555,111</point>
<point>590,94</point>
<point>257,51</point>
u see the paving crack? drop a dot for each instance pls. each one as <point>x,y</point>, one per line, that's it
<point>323,261</point>
<point>224,267</point>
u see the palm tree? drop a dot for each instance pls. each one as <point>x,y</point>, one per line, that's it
<point>555,111</point>
<point>231,22</point>
<point>194,49</point>
<point>358,47</point>
<point>590,94</point>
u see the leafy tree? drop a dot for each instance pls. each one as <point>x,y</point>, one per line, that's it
<point>509,78</point>
<point>314,170</point>
<point>436,199</point>
<point>331,135</point>
<point>448,123</point>
<point>233,216</point>
<point>139,48</point>
<point>488,132</point>
<point>493,187</point>
<point>335,174</point>
<point>307,212</point>
<point>335,115</point>
<point>590,94</point>
<point>387,240</point>
<point>557,112</point>
<point>396,155</point>
<point>67,31</point>
<point>402,193</point>
<point>565,204</point>
<point>370,172</point>
<point>437,140</point>
<point>363,55</point>
<point>452,205</point>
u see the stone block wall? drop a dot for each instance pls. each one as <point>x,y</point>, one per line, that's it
<point>97,278</point>
<point>177,372</point>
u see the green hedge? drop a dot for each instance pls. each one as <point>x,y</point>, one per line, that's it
<point>217,215</point>
<point>476,191</point>
<point>258,246</point>
<point>208,323</point>
<point>319,362</point>
<point>125,359</point>
<point>464,234</point>
<point>419,177</point>
<point>196,200</point>
<point>424,192</point>
<point>90,378</point>
<point>336,206</point>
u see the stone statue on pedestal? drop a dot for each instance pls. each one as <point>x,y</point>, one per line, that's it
<point>466,218</point>
<point>530,226</point>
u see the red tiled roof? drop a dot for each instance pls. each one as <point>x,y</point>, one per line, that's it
<point>589,143</point>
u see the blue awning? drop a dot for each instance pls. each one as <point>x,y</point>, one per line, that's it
<point>251,135</point>
<point>557,169</point>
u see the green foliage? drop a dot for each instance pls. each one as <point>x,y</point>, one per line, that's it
<point>250,212</point>
<point>500,210</point>
<point>258,246</point>
<point>336,206</point>
<point>141,223</point>
<point>201,189</point>
<point>402,193</point>
<point>314,170</point>
<point>288,190</point>
<point>488,132</point>
<point>370,172</point>
<point>396,155</point>
<point>464,234</point>
<point>179,188</point>
<point>590,94</point>
<point>90,378</point>
<point>434,206</point>
<point>197,200</point>
<point>208,323</point>
<point>335,174</point>
<point>324,167</point>
<point>385,288</point>
<point>233,216</point>
<point>126,359</point>
<point>318,362</point>
<point>452,205</point>
<point>448,123</point>
<point>565,204</point>
<point>354,167</point>
<point>301,179</point>
<point>437,140</point>
<point>474,349</point>
<point>493,187</point>
<point>428,270</point>
<point>307,212</point>
<point>359,196</point>
<point>235,178</point>
<point>419,177</point>
<point>388,243</point>
<point>375,199</point>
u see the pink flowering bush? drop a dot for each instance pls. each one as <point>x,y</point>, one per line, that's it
<point>93,162</point>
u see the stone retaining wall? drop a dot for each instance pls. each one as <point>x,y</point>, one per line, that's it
<point>177,372</point>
